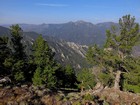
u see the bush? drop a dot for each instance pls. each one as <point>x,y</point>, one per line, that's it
<point>106,79</point>
<point>88,97</point>
<point>86,79</point>
<point>132,88</point>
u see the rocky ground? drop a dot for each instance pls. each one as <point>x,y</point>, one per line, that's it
<point>31,95</point>
<point>117,97</point>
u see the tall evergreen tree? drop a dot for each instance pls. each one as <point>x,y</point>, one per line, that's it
<point>117,51</point>
<point>5,53</point>
<point>16,42</point>
<point>18,58</point>
<point>46,66</point>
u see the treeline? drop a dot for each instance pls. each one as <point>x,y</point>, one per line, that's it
<point>39,68</point>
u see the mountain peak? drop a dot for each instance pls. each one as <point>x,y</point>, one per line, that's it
<point>43,24</point>
<point>80,21</point>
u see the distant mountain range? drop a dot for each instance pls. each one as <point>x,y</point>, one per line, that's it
<point>65,52</point>
<point>81,32</point>
<point>77,35</point>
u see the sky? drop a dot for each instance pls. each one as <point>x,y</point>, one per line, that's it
<point>62,11</point>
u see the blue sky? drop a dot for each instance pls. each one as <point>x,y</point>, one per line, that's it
<point>61,11</point>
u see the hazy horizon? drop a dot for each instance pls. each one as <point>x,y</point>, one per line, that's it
<point>57,23</point>
<point>63,11</point>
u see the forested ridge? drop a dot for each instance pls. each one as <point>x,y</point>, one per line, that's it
<point>111,66</point>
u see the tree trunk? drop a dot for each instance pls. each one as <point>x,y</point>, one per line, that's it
<point>117,80</point>
<point>82,87</point>
<point>98,88</point>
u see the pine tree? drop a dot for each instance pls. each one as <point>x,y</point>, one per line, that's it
<point>16,42</point>
<point>70,77</point>
<point>46,66</point>
<point>113,58</point>
<point>37,79</point>
<point>5,53</point>
<point>131,80</point>
<point>86,79</point>
<point>18,58</point>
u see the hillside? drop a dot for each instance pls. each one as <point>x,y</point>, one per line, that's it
<point>80,32</point>
<point>4,31</point>
<point>66,52</point>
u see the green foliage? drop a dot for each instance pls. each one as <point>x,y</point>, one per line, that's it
<point>18,71</point>
<point>17,46</point>
<point>66,77</point>
<point>49,75</point>
<point>121,45</point>
<point>19,76</point>
<point>46,66</point>
<point>131,80</point>
<point>40,68</point>
<point>106,79</point>
<point>4,54</point>
<point>131,88</point>
<point>116,55</point>
<point>12,55</point>
<point>8,63</point>
<point>29,70</point>
<point>88,97</point>
<point>42,53</point>
<point>76,103</point>
<point>95,55</point>
<point>70,76</point>
<point>86,79</point>
<point>18,58</point>
<point>37,79</point>
<point>4,50</point>
<point>128,37</point>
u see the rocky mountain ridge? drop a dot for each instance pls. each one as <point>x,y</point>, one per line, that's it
<point>81,32</point>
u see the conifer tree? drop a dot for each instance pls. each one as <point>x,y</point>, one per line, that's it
<point>70,78</point>
<point>16,42</point>
<point>66,77</point>
<point>131,80</point>
<point>18,58</point>
<point>117,50</point>
<point>86,79</point>
<point>46,66</point>
<point>5,53</point>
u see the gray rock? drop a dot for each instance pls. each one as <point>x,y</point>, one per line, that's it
<point>1,85</point>
<point>42,87</point>
<point>23,103</point>
<point>34,87</point>
<point>12,103</point>
<point>114,96</point>
<point>24,86</point>
<point>40,92</point>
<point>7,87</point>
<point>67,103</point>
<point>14,88</point>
